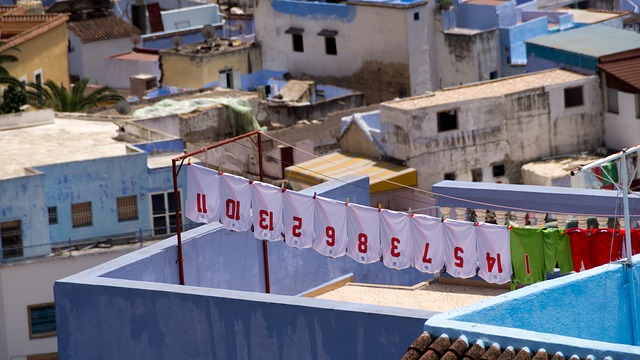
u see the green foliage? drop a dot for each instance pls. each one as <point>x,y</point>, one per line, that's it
<point>57,97</point>
<point>6,58</point>
<point>13,98</point>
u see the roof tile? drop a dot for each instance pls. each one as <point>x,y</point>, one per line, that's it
<point>106,27</point>
<point>475,352</point>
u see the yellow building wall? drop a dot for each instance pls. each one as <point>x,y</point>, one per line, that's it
<point>193,71</point>
<point>46,51</point>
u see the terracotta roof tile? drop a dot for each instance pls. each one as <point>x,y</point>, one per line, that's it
<point>106,27</point>
<point>429,347</point>
<point>40,25</point>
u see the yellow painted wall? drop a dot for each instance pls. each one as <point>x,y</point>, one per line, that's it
<point>48,52</point>
<point>195,71</point>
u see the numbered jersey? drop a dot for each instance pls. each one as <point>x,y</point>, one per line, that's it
<point>363,232</point>
<point>428,243</point>
<point>395,235</point>
<point>266,210</point>
<point>235,202</point>
<point>330,224</point>
<point>460,252</point>
<point>527,255</point>
<point>202,194</point>
<point>494,253</point>
<point>298,219</point>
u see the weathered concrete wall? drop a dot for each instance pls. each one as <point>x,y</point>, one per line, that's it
<point>195,71</point>
<point>509,131</point>
<point>286,115</point>
<point>622,130</point>
<point>356,141</point>
<point>468,57</point>
<point>379,68</point>
<point>25,119</point>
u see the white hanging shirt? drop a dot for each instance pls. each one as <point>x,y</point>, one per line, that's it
<point>460,253</point>
<point>494,253</point>
<point>330,224</point>
<point>202,194</point>
<point>363,232</point>
<point>428,243</point>
<point>395,235</point>
<point>235,202</point>
<point>266,211</point>
<point>298,219</point>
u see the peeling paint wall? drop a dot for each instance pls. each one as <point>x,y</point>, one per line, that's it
<point>24,199</point>
<point>376,65</point>
<point>469,58</point>
<point>507,131</point>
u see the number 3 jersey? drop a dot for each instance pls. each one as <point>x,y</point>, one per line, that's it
<point>395,234</point>
<point>494,253</point>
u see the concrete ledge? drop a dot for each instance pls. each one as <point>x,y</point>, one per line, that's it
<point>26,119</point>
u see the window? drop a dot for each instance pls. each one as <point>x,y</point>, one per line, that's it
<point>127,208</point>
<point>81,214</point>
<point>226,78</point>
<point>447,120</point>
<point>612,101</point>
<point>37,76</point>
<point>11,234</point>
<point>476,175</point>
<point>53,215</point>
<point>163,213</point>
<point>573,97</point>
<point>330,46</point>
<point>493,75</point>
<point>298,45</point>
<point>450,176</point>
<point>416,16</point>
<point>42,320</point>
<point>498,170</point>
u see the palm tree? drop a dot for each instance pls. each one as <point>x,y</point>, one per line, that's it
<point>58,98</point>
<point>4,59</point>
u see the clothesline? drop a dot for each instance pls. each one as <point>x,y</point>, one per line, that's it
<point>366,234</point>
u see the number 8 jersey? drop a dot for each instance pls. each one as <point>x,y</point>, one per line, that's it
<point>363,232</point>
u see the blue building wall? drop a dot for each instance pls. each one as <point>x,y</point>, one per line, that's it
<point>99,181</point>
<point>133,308</point>
<point>478,17</point>
<point>584,313</point>
<point>513,38</point>
<point>23,199</point>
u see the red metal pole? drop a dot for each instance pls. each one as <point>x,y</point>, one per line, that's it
<point>180,260</point>
<point>265,249</point>
<point>176,202</point>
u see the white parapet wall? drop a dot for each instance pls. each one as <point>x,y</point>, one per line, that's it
<point>25,119</point>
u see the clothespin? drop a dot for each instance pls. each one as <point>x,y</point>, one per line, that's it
<point>410,214</point>
<point>510,227</point>
<point>314,196</point>
<point>282,187</point>
<point>379,207</point>
<point>475,222</point>
<point>220,170</point>
<point>250,179</point>
<point>347,202</point>
<point>442,218</point>
<point>189,161</point>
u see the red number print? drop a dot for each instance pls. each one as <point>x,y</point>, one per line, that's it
<point>527,264</point>
<point>395,242</point>
<point>202,203</point>
<point>266,220</point>
<point>331,235</point>
<point>456,254</point>
<point>233,209</point>
<point>362,243</point>
<point>425,256</point>
<point>491,262</point>
<point>297,226</point>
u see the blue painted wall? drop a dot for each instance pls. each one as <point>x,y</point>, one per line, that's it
<point>514,37</point>
<point>316,10</point>
<point>24,199</point>
<point>479,17</point>
<point>165,146</point>
<point>584,313</point>
<point>132,308</point>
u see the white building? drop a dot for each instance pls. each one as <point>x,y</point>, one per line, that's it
<point>28,326</point>
<point>382,49</point>
<point>486,131</point>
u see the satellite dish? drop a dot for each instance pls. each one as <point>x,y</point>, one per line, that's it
<point>123,107</point>
<point>177,41</point>
<point>208,32</point>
